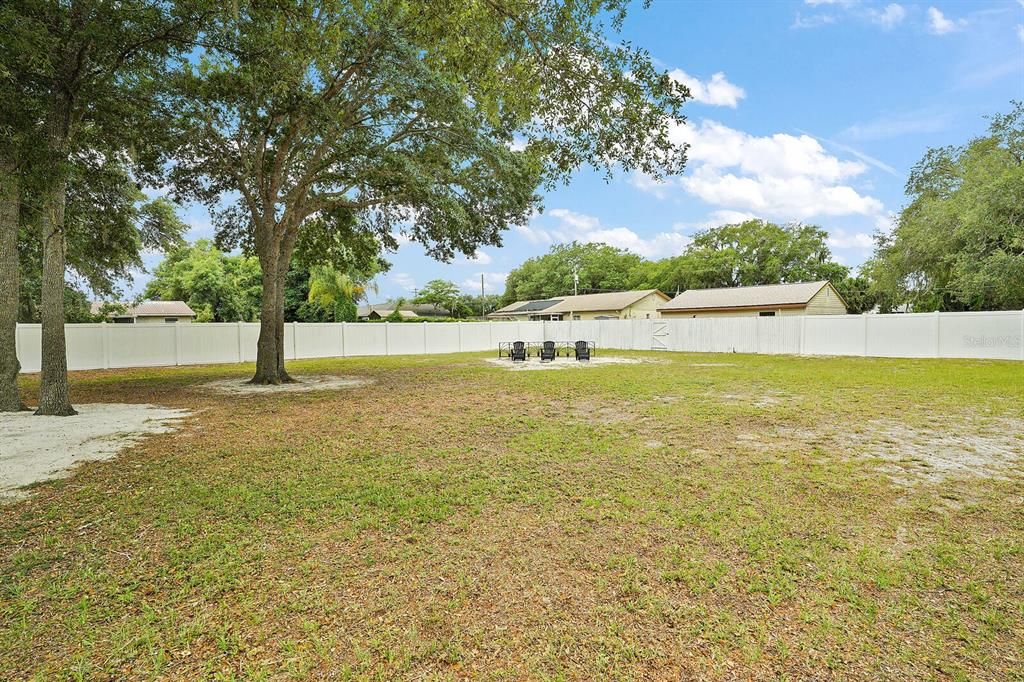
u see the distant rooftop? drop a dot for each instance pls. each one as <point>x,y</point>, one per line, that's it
<point>613,300</point>
<point>149,309</point>
<point>746,297</point>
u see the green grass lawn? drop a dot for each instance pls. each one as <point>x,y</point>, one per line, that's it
<point>688,517</point>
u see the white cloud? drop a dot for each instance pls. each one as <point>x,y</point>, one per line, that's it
<point>573,226</point>
<point>900,124</point>
<point>940,25</point>
<point>534,235</point>
<point>646,183</point>
<point>890,16</point>
<point>717,92</point>
<point>779,176</point>
<point>715,219</point>
<point>494,283</point>
<point>577,221</point>
<point>401,238</point>
<point>841,239</point>
<point>404,280</point>
<point>478,258</point>
<point>813,21</point>
<point>870,160</point>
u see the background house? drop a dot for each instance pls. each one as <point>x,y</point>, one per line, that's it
<point>148,312</point>
<point>804,298</point>
<point>378,311</point>
<point>616,305</point>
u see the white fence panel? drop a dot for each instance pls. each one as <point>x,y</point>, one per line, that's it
<point>995,335</point>
<point>202,344</point>
<point>902,336</point>
<point>714,334</point>
<point>131,345</point>
<point>642,332</point>
<point>778,335</point>
<point>405,339</point>
<point>980,335</point>
<point>366,339</point>
<point>249,336</point>
<point>834,334</point>
<point>441,337</point>
<point>617,334</point>
<point>27,343</point>
<point>85,346</point>
<point>319,340</point>
<point>476,336</point>
<point>529,331</point>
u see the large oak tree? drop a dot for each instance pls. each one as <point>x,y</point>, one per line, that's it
<point>84,85</point>
<point>440,119</point>
<point>959,243</point>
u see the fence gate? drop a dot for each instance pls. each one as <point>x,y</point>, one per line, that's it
<point>659,335</point>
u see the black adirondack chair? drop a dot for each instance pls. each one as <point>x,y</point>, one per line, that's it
<point>518,351</point>
<point>547,351</point>
<point>582,351</point>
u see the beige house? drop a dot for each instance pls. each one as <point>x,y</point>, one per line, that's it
<point>804,298</point>
<point>149,312</point>
<point>617,305</point>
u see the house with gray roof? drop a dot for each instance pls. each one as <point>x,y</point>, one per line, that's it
<point>407,311</point>
<point>802,298</point>
<point>147,312</point>
<point>614,305</point>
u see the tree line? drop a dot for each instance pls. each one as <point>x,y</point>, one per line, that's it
<point>333,122</point>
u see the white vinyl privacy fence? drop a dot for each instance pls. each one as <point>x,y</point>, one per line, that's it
<point>993,335</point>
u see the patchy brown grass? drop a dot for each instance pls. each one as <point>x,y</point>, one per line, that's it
<point>655,521</point>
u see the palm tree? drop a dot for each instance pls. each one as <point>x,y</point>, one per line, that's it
<point>338,291</point>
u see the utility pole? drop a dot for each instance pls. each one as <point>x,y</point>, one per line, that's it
<point>575,280</point>
<point>482,313</point>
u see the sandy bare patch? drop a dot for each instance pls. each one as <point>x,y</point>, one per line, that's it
<point>968,449</point>
<point>770,399</point>
<point>34,449</point>
<point>302,384</point>
<point>960,446</point>
<point>712,364</point>
<point>563,363</point>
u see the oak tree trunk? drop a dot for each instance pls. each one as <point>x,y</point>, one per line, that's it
<point>275,256</point>
<point>53,386</point>
<point>10,201</point>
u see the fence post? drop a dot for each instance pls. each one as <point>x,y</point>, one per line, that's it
<point>240,323</point>
<point>460,334</point>
<point>424,323</point>
<point>1021,341</point>
<point>295,340</point>
<point>803,334</point>
<point>387,341</point>
<point>343,338</point>
<point>105,334</point>
<point>177,343</point>
<point>938,336</point>
<point>865,338</point>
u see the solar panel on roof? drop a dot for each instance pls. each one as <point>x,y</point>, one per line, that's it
<point>534,306</point>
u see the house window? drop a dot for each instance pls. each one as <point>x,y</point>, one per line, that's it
<point>170,320</point>
<point>766,313</point>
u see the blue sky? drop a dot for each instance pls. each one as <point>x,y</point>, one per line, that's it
<point>809,110</point>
